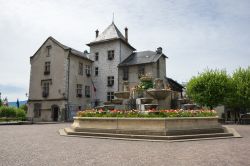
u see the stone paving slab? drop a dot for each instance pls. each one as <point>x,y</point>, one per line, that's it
<point>42,145</point>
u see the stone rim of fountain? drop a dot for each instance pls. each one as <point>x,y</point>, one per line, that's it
<point>159,91</point>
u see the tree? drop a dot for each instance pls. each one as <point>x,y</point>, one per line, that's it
<point>209,88</point>
<point>239,98</point>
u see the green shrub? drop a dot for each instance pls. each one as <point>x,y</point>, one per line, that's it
<point>7,111</point>
<point>20,113</point>
<point>24,107</point>
<point>12,112</point>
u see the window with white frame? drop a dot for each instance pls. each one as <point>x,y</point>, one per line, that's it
<point>80,69</point>
<point>96,71</point>
<point>87,91</point>
<point>47,68</point>
<point>45,87</point>
<point>141,71</point>
<point>96,56</point>
<point>111,54</point>
<point>37,110</point>
<point>110,80</point>
<point>110,96</point>
<point>78,90</point>
<point>125,73</point>
<point>87,70</point>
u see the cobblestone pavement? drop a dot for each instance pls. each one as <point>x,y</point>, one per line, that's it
<point>41,145</point>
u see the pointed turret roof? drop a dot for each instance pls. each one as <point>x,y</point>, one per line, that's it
<point>110,33</point>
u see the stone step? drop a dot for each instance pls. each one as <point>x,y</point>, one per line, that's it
<point>152,132</point>
<point>71,132</point>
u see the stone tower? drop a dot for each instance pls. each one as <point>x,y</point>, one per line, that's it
<point>108,50</point>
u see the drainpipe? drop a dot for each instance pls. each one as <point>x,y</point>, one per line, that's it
<point>68,83</point>
<point>118,68</point>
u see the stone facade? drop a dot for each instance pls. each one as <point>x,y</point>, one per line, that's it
<point>149,69</point>
<point>107,67</point>
<point>62,77</point>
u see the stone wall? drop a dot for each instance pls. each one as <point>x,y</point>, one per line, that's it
<point>107,67</point>
<point>75,79</point>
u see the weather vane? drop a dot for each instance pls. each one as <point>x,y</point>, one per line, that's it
<point>113,18</point>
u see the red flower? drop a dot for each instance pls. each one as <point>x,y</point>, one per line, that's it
<point>100,110</point>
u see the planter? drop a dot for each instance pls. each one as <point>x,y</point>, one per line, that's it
<point>148,126</point>
<point>146,100</point>
<point>150,106</point>
<point>117,101</point>
<point>159,93</point>
<point>122,95</point>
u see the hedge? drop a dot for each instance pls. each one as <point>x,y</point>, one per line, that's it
<point>11,112</point>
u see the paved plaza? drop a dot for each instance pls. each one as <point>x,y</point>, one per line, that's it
<point>42,145</point>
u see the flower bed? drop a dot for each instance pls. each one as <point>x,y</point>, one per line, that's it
<point>147,114</point>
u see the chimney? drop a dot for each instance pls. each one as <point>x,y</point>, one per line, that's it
<point>96,33</point>
<point>126,34</point>
<point>159,50</point>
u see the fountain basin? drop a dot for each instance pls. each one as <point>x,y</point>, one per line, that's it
<point>150,106</point>
<point>159,93</point>
<point>116,101</point>
<point>106,107</point>
<point>146,100</point>
<point>148,126</point>
<point>123,95</point>
<point>107,103</point>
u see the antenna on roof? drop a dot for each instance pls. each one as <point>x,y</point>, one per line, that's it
<point>113,18</point>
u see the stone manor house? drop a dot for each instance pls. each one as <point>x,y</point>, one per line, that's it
<point>64,80</point>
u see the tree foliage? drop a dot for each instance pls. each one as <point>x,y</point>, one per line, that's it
<point>24,107</point>
<point>209,88</point>
<point>240,95</point>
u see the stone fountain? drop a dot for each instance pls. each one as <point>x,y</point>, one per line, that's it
<point>152,98</point>
<point>178,128</point>
<point>121,96</point>
<point>125,94</point>
<point>160,93</point>
<point>155,97</point>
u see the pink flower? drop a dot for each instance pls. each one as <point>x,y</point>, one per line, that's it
<point>100,110</point>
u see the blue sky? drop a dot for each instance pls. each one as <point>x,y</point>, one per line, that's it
<point>195,35</point>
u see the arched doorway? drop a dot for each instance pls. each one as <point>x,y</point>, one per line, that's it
<point>54,112</point>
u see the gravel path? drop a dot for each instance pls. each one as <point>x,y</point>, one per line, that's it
<point>41,145</point>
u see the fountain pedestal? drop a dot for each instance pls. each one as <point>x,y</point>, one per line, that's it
<point>144,104</point>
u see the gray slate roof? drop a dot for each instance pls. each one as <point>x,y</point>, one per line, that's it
<point>142,57</point>
<point>72,50</point>
<point>110,33</point>
<point>174,85</point>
